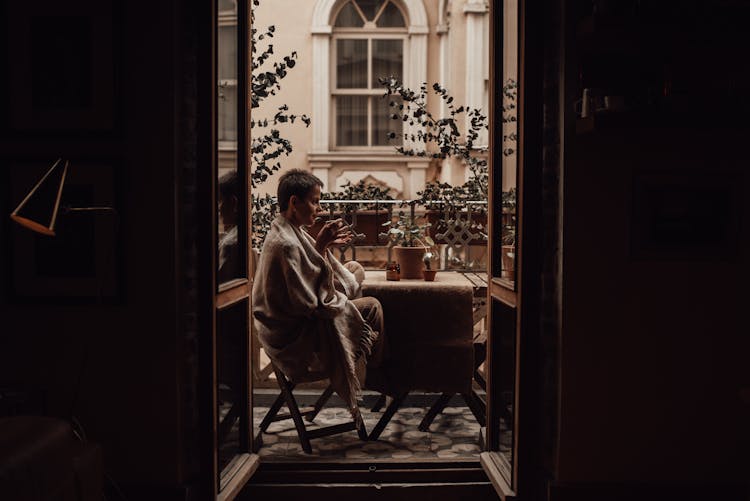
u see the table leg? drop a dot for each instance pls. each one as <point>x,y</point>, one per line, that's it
<point>436,409</point>
<point>387,415</point>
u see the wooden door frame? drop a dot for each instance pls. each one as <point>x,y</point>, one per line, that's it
<point>529,353</point>
<point>211,299</point>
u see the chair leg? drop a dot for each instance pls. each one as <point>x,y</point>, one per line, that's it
<point>294,411</point>
<point>320,403</point>
<point>436,409</point>
<point>226,425</point>
<point>359,422</point>
<point>286,396</point>
<point>272,412</point>
<point>387,415</point>
<point>379,403</point>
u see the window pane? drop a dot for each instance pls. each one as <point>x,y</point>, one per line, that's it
<point>391,17</point>
<point>351,120</point>
<point>227,5</point>
<point>370,7</point>
<point>387,59</point>
<point>383,123</point>
<point>351,64</point>
<point>227,52</point>
<point>349,18</point>
<point>228,112</point>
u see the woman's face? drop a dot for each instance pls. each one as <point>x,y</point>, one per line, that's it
<point>306,209</point>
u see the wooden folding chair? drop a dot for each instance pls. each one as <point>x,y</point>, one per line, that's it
<point>295,413</point>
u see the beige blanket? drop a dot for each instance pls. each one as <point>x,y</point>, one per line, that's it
<point>305,320</point>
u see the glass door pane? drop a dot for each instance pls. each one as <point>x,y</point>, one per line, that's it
<point>505,231</point>
<point>505,306</point>
<point>230,199</point>
<point>231,383</point>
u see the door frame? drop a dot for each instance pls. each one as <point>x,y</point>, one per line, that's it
<point>528,352</point>
<point>213,298</point>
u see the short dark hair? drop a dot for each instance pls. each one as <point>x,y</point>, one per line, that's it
<point>229,185</point>
<point>295,182</point>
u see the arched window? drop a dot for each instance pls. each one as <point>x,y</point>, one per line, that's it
<point>369,40</point>
<point>353,43</point>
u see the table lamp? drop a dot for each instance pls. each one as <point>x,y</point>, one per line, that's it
<point>38,211</point>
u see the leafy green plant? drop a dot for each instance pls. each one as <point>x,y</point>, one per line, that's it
<point>439,138</point>
<point>268,145</point>
<point>404,231</point>
<point>508,204</point>
<point>358,191</point>
<point>265,209</point>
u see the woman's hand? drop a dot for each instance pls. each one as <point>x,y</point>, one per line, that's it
<point>334,232</point>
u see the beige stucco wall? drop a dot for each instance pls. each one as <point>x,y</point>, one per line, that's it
<point>293,21</point>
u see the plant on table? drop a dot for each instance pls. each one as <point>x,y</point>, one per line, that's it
<point>410,242</point>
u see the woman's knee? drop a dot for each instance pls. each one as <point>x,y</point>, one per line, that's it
<point>356,269</point>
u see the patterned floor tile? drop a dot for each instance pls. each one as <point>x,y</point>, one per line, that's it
<point>454,435</point>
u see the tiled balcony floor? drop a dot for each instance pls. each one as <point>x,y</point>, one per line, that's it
<point>453,435</point>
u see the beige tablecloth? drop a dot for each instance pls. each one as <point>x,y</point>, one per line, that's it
<point>428,328</point>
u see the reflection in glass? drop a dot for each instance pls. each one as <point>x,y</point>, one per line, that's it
<point>505,329</point>
<point>229,250</point>
<point>509,142</point>
<point>383,124</point>
<point>228,188</point>
<point>370,7</point>
<point>228,5</point>
<point>349,17</point>
<point>351,64</point>
<point>231,332</point>
<point>227,105</point>
<point>391,17</point>
<point>387,60</point>
<point>227,52</point>
<point>351,120</point>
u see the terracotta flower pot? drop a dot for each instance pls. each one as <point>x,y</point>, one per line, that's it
<point>410,260</point>
<point>429,275</point>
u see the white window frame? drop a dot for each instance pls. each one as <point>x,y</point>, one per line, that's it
<point>227,18</point>
<point>369,35</point>
<point>415,52</point>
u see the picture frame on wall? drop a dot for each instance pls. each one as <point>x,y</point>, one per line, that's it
<point>678,216</point>
<point>81,262</point>
<point>60,68</point>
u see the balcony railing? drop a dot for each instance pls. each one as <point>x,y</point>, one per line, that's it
<point>459,230</point>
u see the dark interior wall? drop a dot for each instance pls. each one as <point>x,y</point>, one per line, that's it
<point>128,398</point>
<point>654,376</point>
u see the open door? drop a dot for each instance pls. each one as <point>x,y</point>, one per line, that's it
<point>226,351</point>
<point>500,459</point>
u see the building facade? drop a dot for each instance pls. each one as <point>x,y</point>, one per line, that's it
<point>343,48</point>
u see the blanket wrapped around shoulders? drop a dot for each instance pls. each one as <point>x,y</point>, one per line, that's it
<point>303,314</point>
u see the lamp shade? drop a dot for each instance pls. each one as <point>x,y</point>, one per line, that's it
<point>38,210</point>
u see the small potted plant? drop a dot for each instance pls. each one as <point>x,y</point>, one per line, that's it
<point>428,272</point>
<point>409,242</point>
